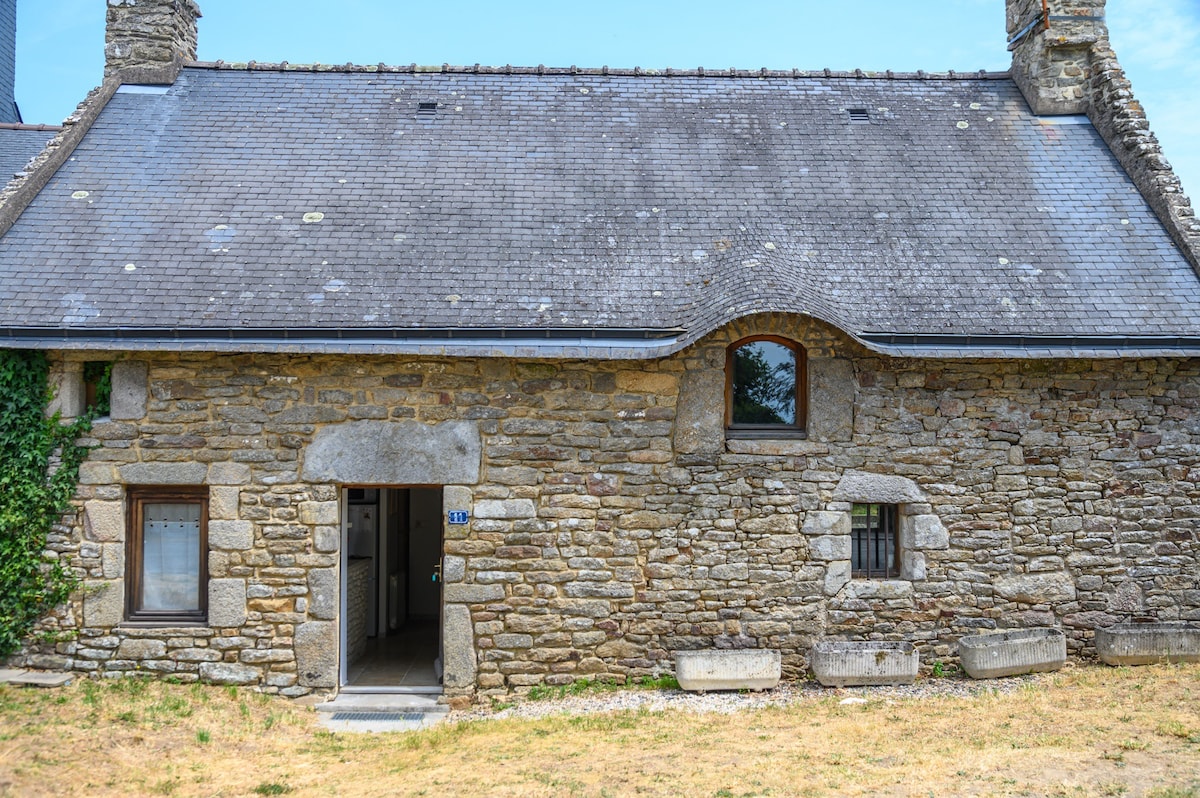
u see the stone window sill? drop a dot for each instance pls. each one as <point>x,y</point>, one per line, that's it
<point>780,434</point>
<point>881,588</point>
<point>163,625</point>
<point>774,446</point>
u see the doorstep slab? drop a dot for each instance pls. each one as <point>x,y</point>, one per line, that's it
<point>24,678</point>
<point>379,722</point>
<point>382,702</point>
<point>374,713</point>
<point>8,674</point>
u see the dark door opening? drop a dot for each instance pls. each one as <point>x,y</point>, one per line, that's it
<point>393,590</point>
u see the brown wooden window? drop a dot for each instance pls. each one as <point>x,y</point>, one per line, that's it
<point>765,380</point>
<point>167,563</point>
<point>874,543</point>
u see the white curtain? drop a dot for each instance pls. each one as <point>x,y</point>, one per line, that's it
<point>171,557</point>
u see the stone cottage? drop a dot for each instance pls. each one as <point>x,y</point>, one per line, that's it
<point>472,379</point>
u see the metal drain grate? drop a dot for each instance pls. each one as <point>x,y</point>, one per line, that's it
<point>378,717</point>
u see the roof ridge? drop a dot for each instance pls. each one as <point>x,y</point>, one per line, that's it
<point>540,69</point>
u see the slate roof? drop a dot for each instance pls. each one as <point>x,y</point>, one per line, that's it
<point>18,145</point>
<point>620,215</point>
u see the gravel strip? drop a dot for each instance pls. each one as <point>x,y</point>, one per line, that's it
<point>786,694</point>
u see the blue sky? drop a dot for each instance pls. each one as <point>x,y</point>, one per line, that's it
<point>60,44</point>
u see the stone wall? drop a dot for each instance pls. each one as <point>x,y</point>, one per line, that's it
<point>612,523</point>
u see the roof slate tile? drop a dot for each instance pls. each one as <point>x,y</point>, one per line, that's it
<point>321,199</point>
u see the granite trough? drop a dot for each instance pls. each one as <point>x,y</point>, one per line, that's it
<point>728,669</point>
<point>1013,652</point>
<point>841,663</point>
<point>1144,643</point>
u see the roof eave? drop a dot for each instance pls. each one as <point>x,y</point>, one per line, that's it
<point>623,343</point>
<point>611,344</point>
<point>1029,346</point>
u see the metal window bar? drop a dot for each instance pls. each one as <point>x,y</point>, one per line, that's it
<point>874,551</point>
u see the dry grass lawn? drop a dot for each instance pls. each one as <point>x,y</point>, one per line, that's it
<point>1090,731</point>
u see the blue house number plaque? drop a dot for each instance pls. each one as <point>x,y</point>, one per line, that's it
<point>457,516</point>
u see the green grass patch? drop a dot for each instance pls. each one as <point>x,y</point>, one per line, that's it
<point>580,687</point>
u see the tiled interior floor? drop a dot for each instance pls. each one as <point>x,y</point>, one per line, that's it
<point>404,659</point>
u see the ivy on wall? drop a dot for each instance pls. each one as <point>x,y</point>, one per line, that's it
<point>39,468</point>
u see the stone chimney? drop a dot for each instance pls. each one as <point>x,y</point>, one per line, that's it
<point>1051,42</point>
<point>148,41</point>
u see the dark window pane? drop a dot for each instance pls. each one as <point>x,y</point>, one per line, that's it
<point>873,541</point>
<point>764,384</point>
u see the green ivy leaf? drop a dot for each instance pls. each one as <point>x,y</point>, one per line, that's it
<point>39,471</point>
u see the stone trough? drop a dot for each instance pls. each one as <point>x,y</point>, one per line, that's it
<point>1014,652</point>
<point>728,669</point>
<point>841,663</point>
<point>1145,643</point>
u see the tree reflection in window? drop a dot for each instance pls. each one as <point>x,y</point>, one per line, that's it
<point>763,384</point>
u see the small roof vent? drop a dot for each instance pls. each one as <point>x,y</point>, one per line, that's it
<point>859,115</point>
<point>427,109</point>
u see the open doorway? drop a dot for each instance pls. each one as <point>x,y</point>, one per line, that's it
<point>392,591</point>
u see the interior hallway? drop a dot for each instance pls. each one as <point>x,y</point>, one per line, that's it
<point>404,659</point>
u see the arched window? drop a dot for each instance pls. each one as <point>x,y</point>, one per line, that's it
<point>765,382</point>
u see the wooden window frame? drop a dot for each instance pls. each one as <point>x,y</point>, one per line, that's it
<point>136,498</point>
<point>742,430</point>
<point>889,524</point>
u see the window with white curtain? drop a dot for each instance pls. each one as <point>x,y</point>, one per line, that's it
<point>168,553</point>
